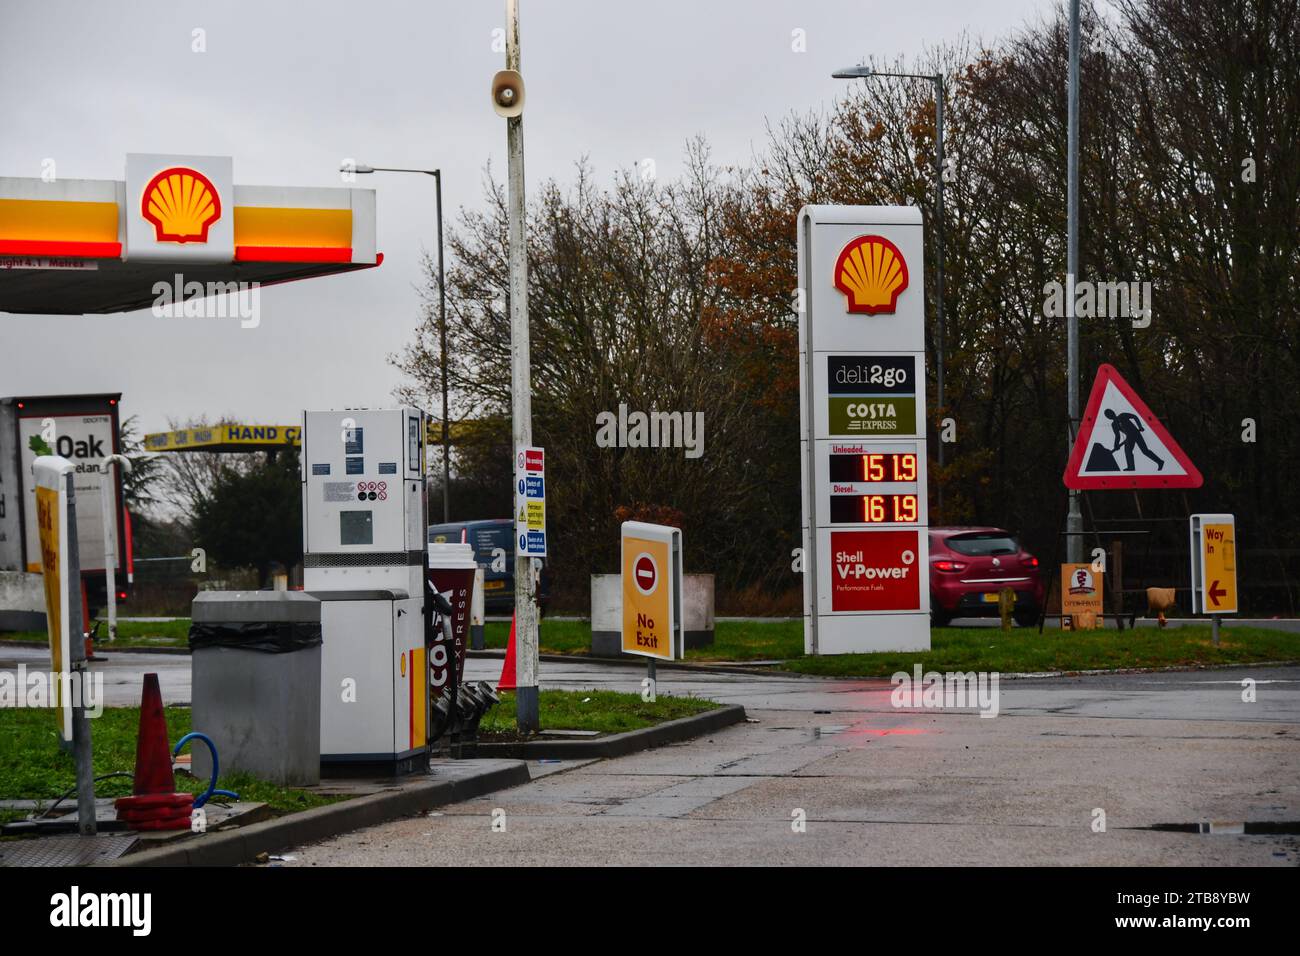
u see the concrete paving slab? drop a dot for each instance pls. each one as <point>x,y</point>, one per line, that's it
<point>603,840</point>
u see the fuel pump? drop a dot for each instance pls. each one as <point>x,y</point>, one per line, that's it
<point>364,559</point>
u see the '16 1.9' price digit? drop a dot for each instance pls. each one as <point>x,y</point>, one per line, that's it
<point>905,508</point>
<point>873,508</point>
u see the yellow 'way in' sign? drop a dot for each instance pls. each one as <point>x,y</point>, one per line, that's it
<point>1219,560</point>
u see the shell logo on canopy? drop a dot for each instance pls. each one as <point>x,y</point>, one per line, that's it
<point>871,273</point>
<point>125,237</point>
<point>181,203</point>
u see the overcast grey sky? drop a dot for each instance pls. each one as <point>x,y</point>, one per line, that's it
<point>291,89</point>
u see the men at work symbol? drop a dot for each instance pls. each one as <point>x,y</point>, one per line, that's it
<point>1128,434</point>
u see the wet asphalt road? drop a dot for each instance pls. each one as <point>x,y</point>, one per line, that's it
<point>830,772</point>
<point>873,784</point>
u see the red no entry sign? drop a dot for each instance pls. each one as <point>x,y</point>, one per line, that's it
<point>645,574</point>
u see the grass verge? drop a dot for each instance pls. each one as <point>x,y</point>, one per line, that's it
<point>733,640</point>
<point>952,648</point>
<point>1025,650</point>
<point>605,711</point>
<point>33,767</point>
<point>966,648</point>
<point>175,633</point>
<point>555,637</point>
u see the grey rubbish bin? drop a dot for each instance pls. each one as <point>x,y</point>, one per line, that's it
<point>255,665</point>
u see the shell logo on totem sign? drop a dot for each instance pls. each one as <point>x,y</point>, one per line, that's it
<point>181,203</point>
<point>871,272</point>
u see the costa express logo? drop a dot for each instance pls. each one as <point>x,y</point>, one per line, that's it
<point>871,272</point>
<point>182,204</point>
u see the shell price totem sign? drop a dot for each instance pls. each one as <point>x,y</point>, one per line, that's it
<point>863,448</point>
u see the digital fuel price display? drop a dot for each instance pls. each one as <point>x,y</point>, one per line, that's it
<point>880,466</point>
<point>875,509</point>
<point>897,504</point>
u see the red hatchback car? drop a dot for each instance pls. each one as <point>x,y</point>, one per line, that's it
<point>968,566</point>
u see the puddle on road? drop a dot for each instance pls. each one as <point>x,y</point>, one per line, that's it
<point>1228,828</point>
<point>850,730</point>
<point>828,730</point>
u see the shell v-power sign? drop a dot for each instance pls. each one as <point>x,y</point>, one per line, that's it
<point>862,411</point>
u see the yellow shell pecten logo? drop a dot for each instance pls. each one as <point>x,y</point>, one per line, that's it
<point>181,203</point>
<point>871,273</point>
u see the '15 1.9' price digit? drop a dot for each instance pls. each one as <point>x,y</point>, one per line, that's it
<point>874,467</point>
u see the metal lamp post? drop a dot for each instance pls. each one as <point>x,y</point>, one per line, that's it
<point>1074,519</point>
<point>866,72</point>
<point>508,103</point>
<point>108,511</point>
<point>442,320</point>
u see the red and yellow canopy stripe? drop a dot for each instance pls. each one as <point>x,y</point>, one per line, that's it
<point>270,234</point>
<point>89,230</point>
<point>41,227</point>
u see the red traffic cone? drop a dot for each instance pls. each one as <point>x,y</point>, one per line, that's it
<point>154,803</point>
<point>507,681</point>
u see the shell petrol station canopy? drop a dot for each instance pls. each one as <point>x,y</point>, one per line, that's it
<point>74,246</point>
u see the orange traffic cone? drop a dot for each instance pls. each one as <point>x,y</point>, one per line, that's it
<point>507,681</point>
<point>154,803</point>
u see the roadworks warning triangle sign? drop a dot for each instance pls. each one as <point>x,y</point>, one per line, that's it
<point>1121,445</point>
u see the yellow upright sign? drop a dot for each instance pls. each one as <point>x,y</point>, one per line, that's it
<point>651,590</point>
<point>1081,590</point>
<point>1215,543</point>
<point>52,530</point>
<point>47,524</point>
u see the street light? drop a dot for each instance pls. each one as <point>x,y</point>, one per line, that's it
<point>508,103</point>
<point>1074,516</point>
<point>363,169</point>
<point>864,73</point>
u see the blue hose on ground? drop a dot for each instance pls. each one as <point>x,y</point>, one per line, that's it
<point>212,784</point>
